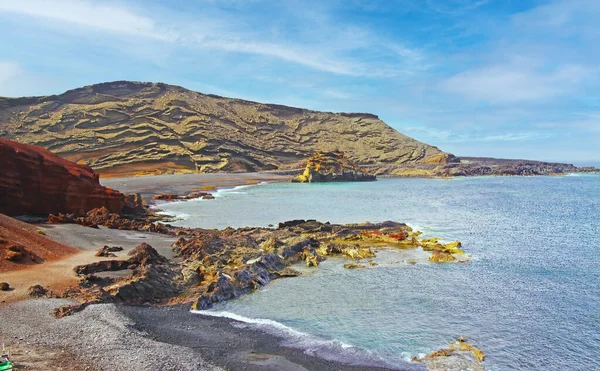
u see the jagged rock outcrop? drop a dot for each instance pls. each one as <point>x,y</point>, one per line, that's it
<point>102,216</point>
<point>191,196</point>
<point>108,251</point>
<point>36,181</point>
<point>332,167</point>
<point>460,355</point>
<point>217,265</point>
<point>133,128</point>
<point>152,278</point>
<point>438,256</point>
<point>37,291</point>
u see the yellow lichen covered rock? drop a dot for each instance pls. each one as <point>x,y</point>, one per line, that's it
<point>332,167</point>
<point>460,355</point>
<point>356,253</point>
<point>354,266</point>
<point>441,257</point>
<point>432,244</point>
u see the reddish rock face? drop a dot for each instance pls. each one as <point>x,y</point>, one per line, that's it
<point>34,180</point>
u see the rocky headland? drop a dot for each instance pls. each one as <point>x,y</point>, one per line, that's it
<point>332,167</point>
<point>218,265</point>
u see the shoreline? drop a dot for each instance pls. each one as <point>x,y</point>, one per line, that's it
<point>183,184</point>
<point>170,338</point>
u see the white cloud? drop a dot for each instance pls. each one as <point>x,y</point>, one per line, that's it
<point>454,7</point>
<point>99,16</point>
<point>558,14</point>
<point>8,70</point>
<point>508,83</point>
<point>322,46</point>
<point>307,57</point>
<point>472,136</point>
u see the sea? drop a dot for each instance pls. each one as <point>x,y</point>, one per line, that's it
<point>529,297</point>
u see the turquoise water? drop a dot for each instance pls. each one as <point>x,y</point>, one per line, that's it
<point>530,297</point>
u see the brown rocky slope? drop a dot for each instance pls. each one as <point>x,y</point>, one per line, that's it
<point>132,128</point>
<point>22,245</point>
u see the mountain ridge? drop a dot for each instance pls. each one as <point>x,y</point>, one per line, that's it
<point>137,128</point>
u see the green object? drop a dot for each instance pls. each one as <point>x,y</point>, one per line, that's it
<point>5,364</point>
<point>4,361</point>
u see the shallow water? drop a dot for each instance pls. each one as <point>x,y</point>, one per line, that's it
<point>530,298</point>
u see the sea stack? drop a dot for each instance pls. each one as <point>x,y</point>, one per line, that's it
<point>332,167</point>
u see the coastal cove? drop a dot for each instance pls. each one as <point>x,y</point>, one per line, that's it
<point>529,297</point>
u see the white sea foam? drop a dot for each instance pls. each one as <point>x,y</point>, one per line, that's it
<point>263,322</point>
<point>218,193</point>
<point>236,189</point>
<point>256,321</point>
<point>328,349</point>
<point>175,214</point>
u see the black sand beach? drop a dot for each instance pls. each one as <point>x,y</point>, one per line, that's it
<point>183,184</point>
<point>106,336</point>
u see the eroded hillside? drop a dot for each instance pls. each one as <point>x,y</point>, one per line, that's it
<point>124,128</point>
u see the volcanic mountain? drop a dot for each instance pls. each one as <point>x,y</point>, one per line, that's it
<point>134,128</point>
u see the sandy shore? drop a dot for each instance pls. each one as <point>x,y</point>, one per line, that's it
<point>58,275</point>
<point>183,184</point>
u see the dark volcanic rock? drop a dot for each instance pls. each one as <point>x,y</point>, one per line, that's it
<point>4,286</point>
<point>36,181</point>
<point>218,265</point>
<point>37,291</point>
<point>108,251</point>
<point>152,278</point>
<point>102,216</point>
<point>481,166</point>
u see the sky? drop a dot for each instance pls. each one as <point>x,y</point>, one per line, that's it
<point>496,78</point>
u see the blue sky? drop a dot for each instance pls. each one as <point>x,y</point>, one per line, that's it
<point>501,78</point>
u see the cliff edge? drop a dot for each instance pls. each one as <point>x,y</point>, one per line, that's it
<point>36,181</point>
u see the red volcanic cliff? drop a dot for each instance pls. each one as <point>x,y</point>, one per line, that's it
<point>34,180</point>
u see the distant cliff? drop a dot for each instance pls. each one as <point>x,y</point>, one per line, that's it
<point>131,128</point>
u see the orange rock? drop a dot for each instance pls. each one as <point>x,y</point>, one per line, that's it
<point>36,181</point>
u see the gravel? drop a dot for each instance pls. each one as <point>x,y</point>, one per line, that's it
<point>101,335</point>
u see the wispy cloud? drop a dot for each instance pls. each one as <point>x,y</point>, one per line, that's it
<point>472,136</point>
<point>510,83</point>
<point>307,57</point>
<point>563,16</point>
<point>330,48</point>
<point>8,70</point>
<point>454,7</point>
<point>103,17</point>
